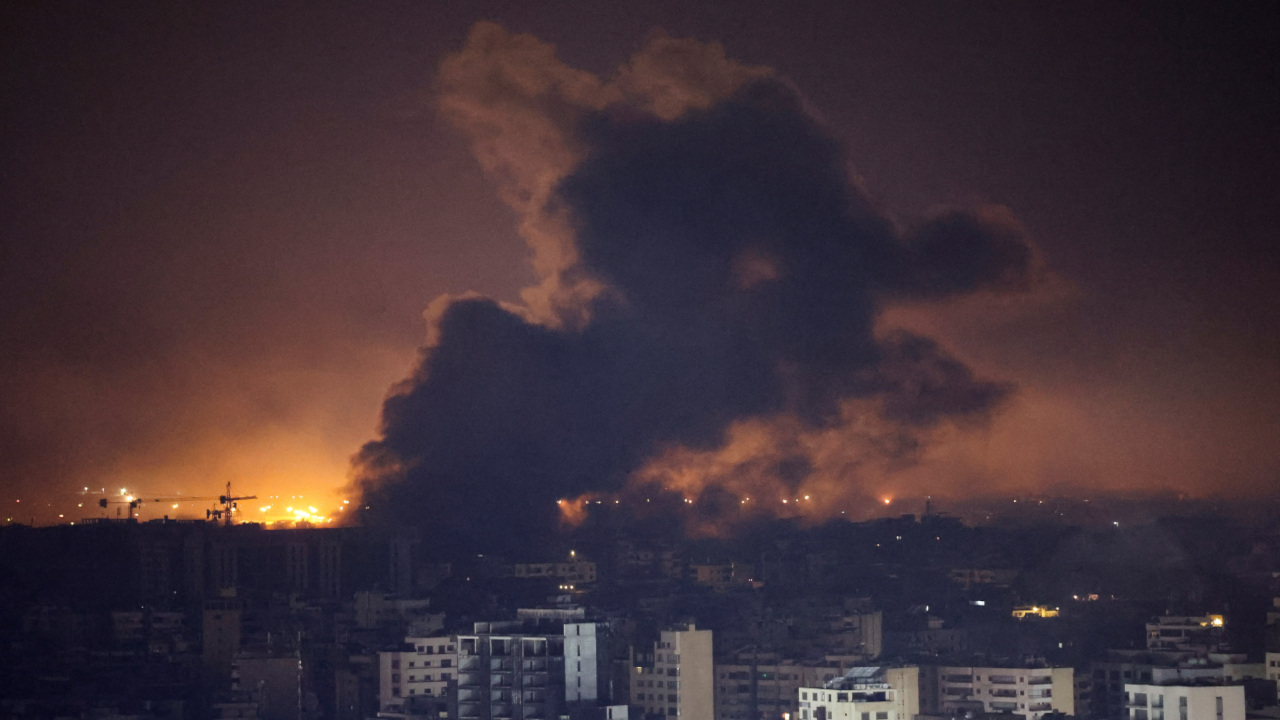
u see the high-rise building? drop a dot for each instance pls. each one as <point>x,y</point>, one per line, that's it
<point>220,633</point>
<point>586,663</point>
<point>681,681</point>
<point>544,664</point>
<point>1032,692</point>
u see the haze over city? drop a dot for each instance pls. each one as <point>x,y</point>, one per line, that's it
<point>737,255</point>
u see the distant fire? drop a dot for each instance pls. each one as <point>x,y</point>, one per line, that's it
<point>574,510</point>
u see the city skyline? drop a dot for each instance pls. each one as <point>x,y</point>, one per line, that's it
<point>229,225</point>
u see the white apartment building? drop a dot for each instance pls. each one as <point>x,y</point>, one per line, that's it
<point>585,663</point>
<point>681,682</point>
<point>864,693</point>
<point>1200,701</point>
<point>423,667</point>
<point>1032,692</point>
<point>1273,668</point>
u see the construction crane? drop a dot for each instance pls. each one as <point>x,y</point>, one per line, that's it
<point>131,502</point>
<point>134,502</point>
<point>229,506</point>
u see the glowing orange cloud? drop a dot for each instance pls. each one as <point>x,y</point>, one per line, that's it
<point>573,511</point>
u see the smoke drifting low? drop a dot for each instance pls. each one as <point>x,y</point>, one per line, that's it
<point>705,324</point>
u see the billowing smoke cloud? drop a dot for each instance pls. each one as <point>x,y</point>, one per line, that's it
<point>706,319</point>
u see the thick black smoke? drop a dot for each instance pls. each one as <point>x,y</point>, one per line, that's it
<point>743,275</point>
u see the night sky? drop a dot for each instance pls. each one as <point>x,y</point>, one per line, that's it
<point>1012,249</point>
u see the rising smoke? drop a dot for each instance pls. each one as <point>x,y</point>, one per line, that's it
<point>705,323</point>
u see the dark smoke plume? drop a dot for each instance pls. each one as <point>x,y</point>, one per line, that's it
<point>739,273</point>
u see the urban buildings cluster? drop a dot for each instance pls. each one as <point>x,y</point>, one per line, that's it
<point>902,619</point>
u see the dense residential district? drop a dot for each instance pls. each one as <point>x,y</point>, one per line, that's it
<point>1171,618</point>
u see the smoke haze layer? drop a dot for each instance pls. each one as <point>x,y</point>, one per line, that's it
<point>711,280</point>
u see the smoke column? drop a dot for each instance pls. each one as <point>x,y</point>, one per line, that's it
<point>705,323</point>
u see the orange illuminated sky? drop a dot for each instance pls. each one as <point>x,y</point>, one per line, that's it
<point>224,224</point>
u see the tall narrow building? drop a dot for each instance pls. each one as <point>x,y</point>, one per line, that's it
<point>681,680</point>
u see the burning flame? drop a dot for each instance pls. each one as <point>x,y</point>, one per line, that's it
<point>574,510</point>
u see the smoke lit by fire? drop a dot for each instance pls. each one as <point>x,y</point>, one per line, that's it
<point>703,339</point>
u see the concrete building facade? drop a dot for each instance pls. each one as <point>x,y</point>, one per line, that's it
<point>586,663</point>
<point>1273,669</point>
<point>1200,633</point>
<point>1033,692</point>
<point>1186,701</point>
<point>681,681</point>
<point>422,668</point>
<point>864,693</point>
<point>544,664</point>
<point>761,685</point>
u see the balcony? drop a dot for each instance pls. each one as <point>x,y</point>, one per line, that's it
<point>1040,680</point>
<point>533,696</point>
